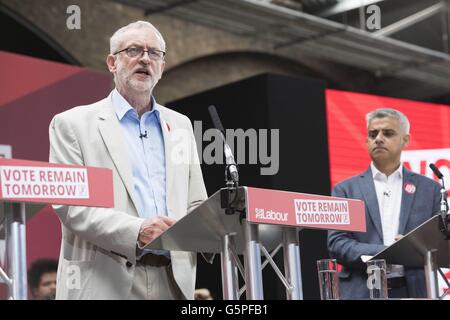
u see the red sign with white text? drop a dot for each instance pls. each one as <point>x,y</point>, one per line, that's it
<point>304,210</point>
<point>42,182</point>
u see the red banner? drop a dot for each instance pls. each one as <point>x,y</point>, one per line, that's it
<point>42,182</point>
<point>305,210</point>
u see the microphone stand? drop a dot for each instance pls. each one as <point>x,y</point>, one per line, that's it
<point>231,181</point>
<point>444,222</point>
<point>445,218</point>
<point>226,193</point>
<point>227,200</point>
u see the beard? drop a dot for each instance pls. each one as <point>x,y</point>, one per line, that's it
<point>139,85</point>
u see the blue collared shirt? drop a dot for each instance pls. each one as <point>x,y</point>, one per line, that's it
<point>146,155</point>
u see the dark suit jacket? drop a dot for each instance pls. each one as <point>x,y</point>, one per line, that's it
<point>347,247</point>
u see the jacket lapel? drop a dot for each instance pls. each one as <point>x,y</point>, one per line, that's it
<point>110,131</point>
<point>168,150</point>
<point>407,199</point>
<point>367,187</point>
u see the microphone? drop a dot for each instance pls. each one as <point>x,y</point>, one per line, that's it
<point>436,171</point>
<point>143,135</point>
<point>229,158</point>
<point>387,193</point>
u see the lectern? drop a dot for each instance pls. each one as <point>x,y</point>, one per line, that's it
<point>426,247</point>
<point>25,187</point>
<point>262,219</point>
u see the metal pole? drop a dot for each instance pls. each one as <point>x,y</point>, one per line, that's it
<point>292,265</point>
<point>445,27</point>
<point>410,20</point>
<point>252,261</point>
<point>16,250</point>
<point>362,18</point>
<point>229,271</point>
<point>431,275</point>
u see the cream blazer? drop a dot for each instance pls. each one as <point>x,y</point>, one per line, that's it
<point>98,248</point>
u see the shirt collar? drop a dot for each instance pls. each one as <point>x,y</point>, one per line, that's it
<point>377,173</point>
<point>122,107</point>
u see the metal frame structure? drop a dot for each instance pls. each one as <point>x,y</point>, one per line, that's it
<point>344,6</point>
<point>252,273</point>
<point>13,238</point>
<point>289,32</point>
<point>16,258</point>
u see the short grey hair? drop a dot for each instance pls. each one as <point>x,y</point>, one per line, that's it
<point>389,113</point>
<point>116,39</point>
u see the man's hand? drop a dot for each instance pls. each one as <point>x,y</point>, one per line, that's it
<point>202,294</point>
<point>152,228</point>
<point>398,237</point>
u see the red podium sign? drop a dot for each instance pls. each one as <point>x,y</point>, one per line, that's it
<point>305,210</point>
<point>42,182</point>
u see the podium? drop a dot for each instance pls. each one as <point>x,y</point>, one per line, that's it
<point>263,220</point>
<point>426,247</point>
<point>25,188</point>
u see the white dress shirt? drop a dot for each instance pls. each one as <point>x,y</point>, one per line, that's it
<point>389,195</point>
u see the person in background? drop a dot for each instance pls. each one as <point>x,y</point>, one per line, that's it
<point>42,279</point>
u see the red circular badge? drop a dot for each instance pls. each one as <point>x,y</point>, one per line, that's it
<point>410,188</point>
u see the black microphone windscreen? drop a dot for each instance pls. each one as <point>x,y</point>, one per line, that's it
<point>436,171</point>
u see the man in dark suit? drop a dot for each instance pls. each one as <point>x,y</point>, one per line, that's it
<point>397,200</point>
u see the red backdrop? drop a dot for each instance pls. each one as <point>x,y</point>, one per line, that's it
<point>32,92</point>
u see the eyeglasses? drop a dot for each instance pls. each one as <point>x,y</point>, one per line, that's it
<point>134,52</point>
